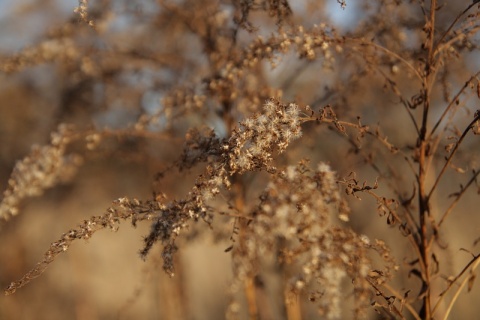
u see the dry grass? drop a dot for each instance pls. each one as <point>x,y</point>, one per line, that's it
<point>287,165</point>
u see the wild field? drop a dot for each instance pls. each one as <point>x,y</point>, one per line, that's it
<point>250,159</point>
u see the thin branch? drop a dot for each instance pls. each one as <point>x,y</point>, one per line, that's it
<point>123,209</point>
<point>473,264</point>
<point>404,102</point>
<point>390,53</point>
<point>453,102</point>
<point>401,298</point>
<point>437,46</point>
<point>412,237</point>
<point>454,151</point>
<point>457,198</point>
<point>457,293</point>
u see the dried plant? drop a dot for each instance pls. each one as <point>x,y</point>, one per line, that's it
<point>382,110</point>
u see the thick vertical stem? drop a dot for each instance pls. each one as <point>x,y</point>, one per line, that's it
<point>424,248</point>
<point>423,145</point>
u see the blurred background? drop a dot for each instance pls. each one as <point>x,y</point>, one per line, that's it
<point>133,65</point>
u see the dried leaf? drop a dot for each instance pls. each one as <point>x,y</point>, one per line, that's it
<point>471,280</point>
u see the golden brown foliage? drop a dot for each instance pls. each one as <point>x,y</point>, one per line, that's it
<point>197,91</point>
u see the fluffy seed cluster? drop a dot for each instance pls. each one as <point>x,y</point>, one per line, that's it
<point>43,168</point>
<point>253,143</point>
<point>293,223</point>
